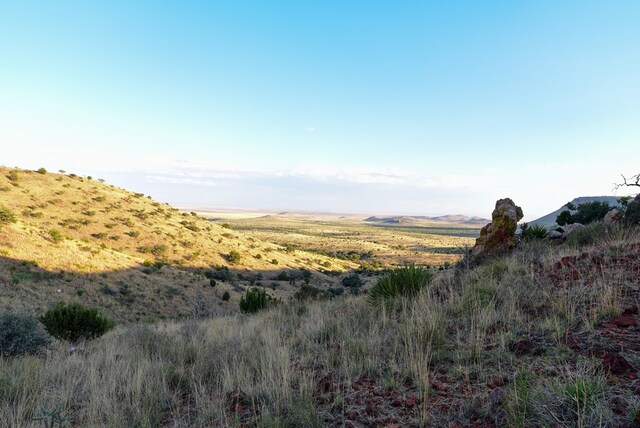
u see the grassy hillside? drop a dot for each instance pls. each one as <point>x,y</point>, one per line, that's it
<point>545,337</point>
<point>81,239</point>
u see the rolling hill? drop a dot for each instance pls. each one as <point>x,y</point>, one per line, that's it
<point>76,238</point>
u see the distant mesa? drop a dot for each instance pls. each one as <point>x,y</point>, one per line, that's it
<point>451,218</point>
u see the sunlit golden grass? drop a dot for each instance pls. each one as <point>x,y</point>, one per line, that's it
<point>451,341</point>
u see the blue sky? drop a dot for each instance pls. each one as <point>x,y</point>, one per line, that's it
<point>409,107</point>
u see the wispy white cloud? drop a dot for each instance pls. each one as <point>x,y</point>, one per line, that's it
<point>205,173</point>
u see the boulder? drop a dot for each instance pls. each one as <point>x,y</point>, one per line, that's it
<point>569,229</point>
<point>612,217</point>
<point>499,236</point>
<point>555,235</point>
<point>632,213</point>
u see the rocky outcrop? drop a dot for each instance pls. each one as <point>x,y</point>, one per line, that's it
<point>498,236</point>
<point>613,216</point>
<point>632,213</point>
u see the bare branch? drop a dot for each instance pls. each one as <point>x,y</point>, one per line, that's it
<point>633,181</point>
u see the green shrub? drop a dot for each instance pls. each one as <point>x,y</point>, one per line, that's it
<point>21,334</point>
<point>226,296</point>
<point>532,232</point>
<point>405,281</point>
<point>234,256</point>
<point>74,322</point>
<point>283,276</point>
<point>255,300</point>
<point>591,211</point>
<point>41,171</point>
<point>632,212</point>
<point>13,176</point>
<point>56,236</point>
<point>352,281</point>
<point>564,218</point>
<point>7,216</point>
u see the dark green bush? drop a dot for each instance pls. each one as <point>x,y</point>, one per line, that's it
<point>584,213</point>
<point>406,281</point>
<point>74,322</point>
<point>282,276</point>
<point>21,334</point>
<point>591,211</point>
<point>41,171</point>
<point>564,218</point>
<point>307,292</point>
<point>226,296</point>
<point>632,212</point>
<point>255,300</point>
<point>220,273</point>
<point>352,281</point>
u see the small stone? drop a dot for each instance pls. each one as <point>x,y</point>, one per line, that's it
<point>437,385</point>
<point>616,364</point>
<point>522,347</point>
<point>411,401</point>
<point>371,410</point>
<point>495,396</point>
<point>624,321</point>
<point>496,382</point>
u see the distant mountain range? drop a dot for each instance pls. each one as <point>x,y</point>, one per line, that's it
<point>550,219</point>
<point>416,220</point>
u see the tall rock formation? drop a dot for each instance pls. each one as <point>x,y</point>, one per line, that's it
<point>499,236</point>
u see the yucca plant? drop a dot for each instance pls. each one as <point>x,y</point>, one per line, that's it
<point>532,232</point>
<point>406,281</point>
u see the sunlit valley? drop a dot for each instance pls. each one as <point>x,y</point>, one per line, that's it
<point>319,214</point>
